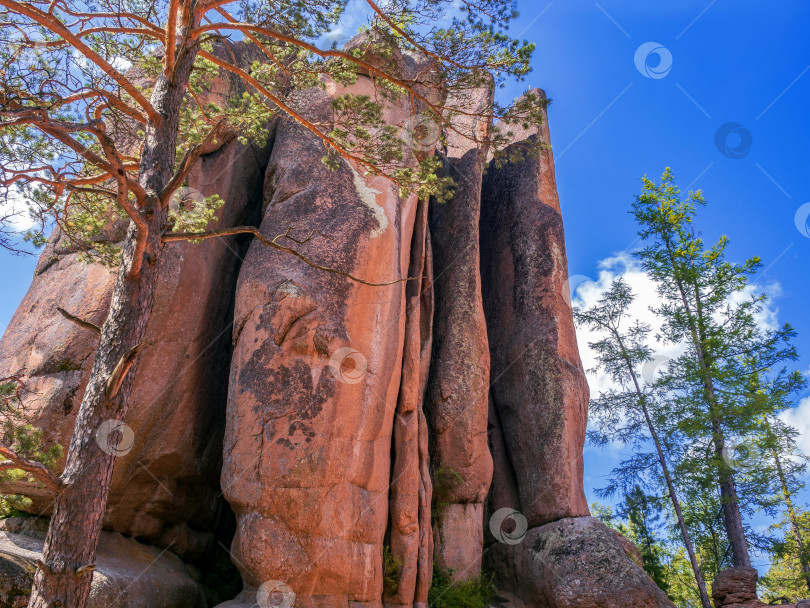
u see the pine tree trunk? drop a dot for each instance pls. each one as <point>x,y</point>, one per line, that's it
<point>732,518</point>
<point>676,504</point>
<point>65,574</point>
<point>794,521</point>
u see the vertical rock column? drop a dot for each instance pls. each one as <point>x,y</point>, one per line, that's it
<point>411,542</point>
<point>545,550</point>
<point>539,390</point>
<point>165,486</point>
<point>316,381</point>
<point>459,372</point>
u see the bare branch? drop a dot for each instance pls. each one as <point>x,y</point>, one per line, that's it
<point>78,321</point>
<point>194,236</point>
<point>57,27</point>
<point>116,379</point>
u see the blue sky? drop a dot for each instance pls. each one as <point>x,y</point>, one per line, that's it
<point>732,61</point>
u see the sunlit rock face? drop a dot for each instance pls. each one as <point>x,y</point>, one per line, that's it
<point>362,435</point>
<point>165,487</point>
<point>325,456</point>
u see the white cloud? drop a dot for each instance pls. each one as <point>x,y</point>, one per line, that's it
<point>587,293</point>
<point>799,418</point>
<point>14,211</point>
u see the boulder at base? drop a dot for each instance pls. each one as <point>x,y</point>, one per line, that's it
<point>128,574</point>
<point>576,562</point>
<point>737,588</point>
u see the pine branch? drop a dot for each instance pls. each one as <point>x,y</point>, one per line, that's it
<point>37,470</point>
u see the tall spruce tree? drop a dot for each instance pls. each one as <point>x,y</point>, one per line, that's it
<point>709,306</point>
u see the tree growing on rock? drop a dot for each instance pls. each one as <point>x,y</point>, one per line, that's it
<point>104,111</point>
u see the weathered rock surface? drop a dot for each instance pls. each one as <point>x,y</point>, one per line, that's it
<point>735,587</point>
<point>458,386</point>
<point>321,367</point>
<point>538,387</point>
<point>356,414</point>
<point>544,550</point>
<point>166,483</point>
<point>128,574</point>
<point>573,563</point>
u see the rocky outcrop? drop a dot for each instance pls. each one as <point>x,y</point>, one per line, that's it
<point>735,587</point>
<point>357,431</point>
<point>539,389</point>
<point>457,397</point>
<point>165,487</point>
<point>573,563</point>
<point>127,575</point>
<point>544,550</point>
<point>324,432</point>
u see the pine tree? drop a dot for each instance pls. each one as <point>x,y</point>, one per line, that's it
<point>643,518</point>
<point>709,306</point>
<point>627,413</point>
<point>786,576</point>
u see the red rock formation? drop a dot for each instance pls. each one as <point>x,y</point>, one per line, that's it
<point>459,374</point>
<point>544,549</point>
<point>539,388</point>
<point>572,563</point>
<point>165,485</point>
<point>411,489</point>
<point>321,368</point>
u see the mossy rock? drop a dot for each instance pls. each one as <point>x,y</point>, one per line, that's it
<point>16,576</point>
